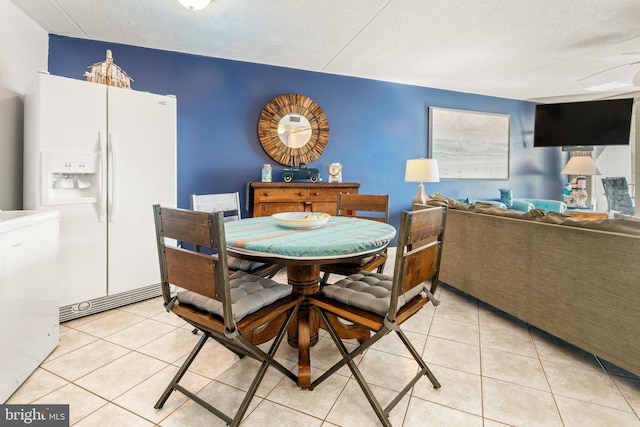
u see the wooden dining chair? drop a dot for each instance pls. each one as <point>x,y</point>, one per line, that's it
<point>229,204</point>
<point>365,206</point>
<point>383,303</point>
<point>225,308</point>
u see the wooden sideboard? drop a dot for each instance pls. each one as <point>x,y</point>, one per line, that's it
<point>268,198</point>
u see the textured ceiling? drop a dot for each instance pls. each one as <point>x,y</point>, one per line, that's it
<point>537,50</point>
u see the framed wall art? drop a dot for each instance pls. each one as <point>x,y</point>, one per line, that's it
<point>469,144</point>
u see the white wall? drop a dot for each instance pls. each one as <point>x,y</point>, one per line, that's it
<point>24,48</point>
<point>619,161</point>
<point>614,161</point>
<point>635,155</point>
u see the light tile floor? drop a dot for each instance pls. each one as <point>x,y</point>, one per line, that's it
<point>495,371</point>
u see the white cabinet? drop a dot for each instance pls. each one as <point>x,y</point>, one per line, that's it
<point>29,246</point>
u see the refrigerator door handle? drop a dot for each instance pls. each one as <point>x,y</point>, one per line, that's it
<point>113,205</point>
<point>103,179</point>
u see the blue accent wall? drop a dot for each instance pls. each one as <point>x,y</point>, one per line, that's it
<point>375,126</point>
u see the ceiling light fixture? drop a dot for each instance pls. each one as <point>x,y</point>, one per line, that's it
<point>608,86</point>
<point>635,80</point>
<point>194,4</point>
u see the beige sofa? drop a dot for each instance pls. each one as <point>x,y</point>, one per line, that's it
<point>576,279</point>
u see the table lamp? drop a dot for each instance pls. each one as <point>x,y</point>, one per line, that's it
<point>581,166</point>
<point>421,170</point>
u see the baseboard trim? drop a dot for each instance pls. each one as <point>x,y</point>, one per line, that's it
<point>86,308</point>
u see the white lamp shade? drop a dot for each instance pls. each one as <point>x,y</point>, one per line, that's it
<point>195,4</point>
<point>580,165</point>
<point>422,170</point>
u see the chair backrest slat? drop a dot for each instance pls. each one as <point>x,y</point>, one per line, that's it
<point>192,271</point>
<point>366,206</point>
<point>228,203</point>
<point>425,228</point>
<point>420,266</point>
<point>186,226</point>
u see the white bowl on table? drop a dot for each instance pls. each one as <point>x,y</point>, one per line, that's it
<point>301,219</point>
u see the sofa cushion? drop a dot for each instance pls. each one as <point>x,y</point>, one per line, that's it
<point>623,226</point>
<point>490,202</point>
<point>546,204</point>
<point>519,204</point>
<point>490,209</point>
<point>437,199</point>
<point>522,205</point>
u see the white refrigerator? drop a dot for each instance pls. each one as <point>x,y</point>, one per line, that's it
<point>101,156</point>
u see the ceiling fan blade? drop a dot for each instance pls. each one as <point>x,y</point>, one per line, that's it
<point>630,94</point>
<point>609,69</point>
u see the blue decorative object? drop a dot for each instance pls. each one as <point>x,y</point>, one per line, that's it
<point>506,197</point>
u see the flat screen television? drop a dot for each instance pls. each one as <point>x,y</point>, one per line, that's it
<point>587,123</point>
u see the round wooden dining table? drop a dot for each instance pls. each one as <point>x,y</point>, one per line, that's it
<point>303,251</point>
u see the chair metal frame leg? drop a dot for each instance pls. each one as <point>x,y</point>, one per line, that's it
<point>325,278</point>
<point>274,272</point>
<point>348,357</point>
<point>241,346</point>
<point>255,351</point>
<point>352,355</point>
<point>173,385</point>
<point>267,361</point>
<point>425,369</point>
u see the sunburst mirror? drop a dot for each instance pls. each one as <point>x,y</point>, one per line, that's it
<point>293,129</point>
